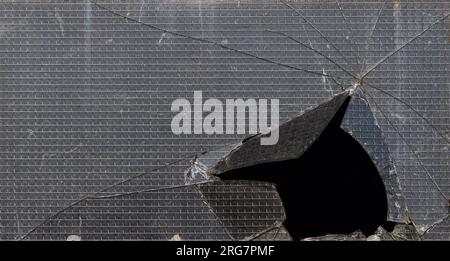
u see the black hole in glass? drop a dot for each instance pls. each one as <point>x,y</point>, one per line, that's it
<point>333,188</point>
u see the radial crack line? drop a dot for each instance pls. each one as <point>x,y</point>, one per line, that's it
<point>93,194</point>
<point>276,234</point>
<point>90,195</point>
<point>370,36</point>
<point>314,50</point>
<point>373,67</point>
<point>434,225</point>
<point>150,190</point>
<point>208,205</point>
<point>411,108</point>
<point>275,225</point>
<point>125,194</point>
<point>203,40</point>
<point>410,148</point>
<point>349,28</point>
<point>316,29</point>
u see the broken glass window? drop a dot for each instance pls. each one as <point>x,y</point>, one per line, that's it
<point>86,87</point>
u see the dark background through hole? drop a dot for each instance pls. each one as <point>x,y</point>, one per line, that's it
<point>333,188</point>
